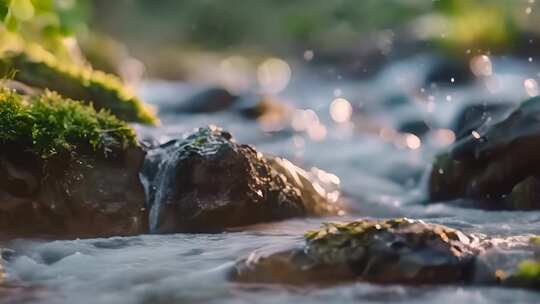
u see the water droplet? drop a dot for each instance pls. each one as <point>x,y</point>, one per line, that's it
<point>412,141</point>
<point>317,132</point>
<point>531,87</point>
<point>481,66</point>
<point>309,55</point>
<point>340,110</point>
<point>443,137</point>
<point>273,75</point>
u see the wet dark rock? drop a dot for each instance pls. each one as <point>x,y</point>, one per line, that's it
<point>70,197</point>
<point>526,195</point>
<point>208,101</point>
<point>117,243</point>
<point>382,251</point>
<point>267,110</point>
<point>444,70</point>
<point>208,182</point>
<point>491,161</point>
<point>472,117</point>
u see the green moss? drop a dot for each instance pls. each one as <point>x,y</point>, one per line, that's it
<point>527,274</point>
<point>529,269</point>
<point>535,240</point>
<point>38,68</point>
<point>334,242</point>
<point>49,125</point>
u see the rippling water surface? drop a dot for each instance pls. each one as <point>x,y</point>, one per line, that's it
<point>382,174</point>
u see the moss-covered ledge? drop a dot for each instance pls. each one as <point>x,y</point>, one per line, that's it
<point>393,251</point>
<point>67,170</point>
<point>36,67</point>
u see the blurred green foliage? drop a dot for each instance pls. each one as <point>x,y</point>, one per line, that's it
<point>281,25</point>
<point>485,24</point>
<point>238,23</point>
<point>40,69</point>
<point>46,17</point>
<point>45,22</point>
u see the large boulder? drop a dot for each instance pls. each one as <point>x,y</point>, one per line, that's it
<point>207,182</point>
<point>66,170</point>
<point>382,251</point>
<point>492,160</point>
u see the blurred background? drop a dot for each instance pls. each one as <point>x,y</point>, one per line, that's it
<point>401,77</point>
<point>174,38</point>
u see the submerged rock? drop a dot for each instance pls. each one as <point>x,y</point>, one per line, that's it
<point>266,109</point>
<point>208,101</point>
<point>400,251</point>
<point>492,160</point>
<point>67,170</point>
<point>207,182</point>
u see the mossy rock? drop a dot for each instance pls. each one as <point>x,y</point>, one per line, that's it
<point>67,170</point>
<point>489,164</point>
<point>40,69</point>
<point>527,275</point>
<point>401,251</point>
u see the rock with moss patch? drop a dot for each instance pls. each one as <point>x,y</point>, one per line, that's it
<point>383,251</point>
<point>491,161</point>
<point>207,182</point>
<point>40,69</point>
<point>527,275</point>
<point>67,170</point>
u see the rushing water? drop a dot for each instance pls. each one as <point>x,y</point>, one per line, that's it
<point>382,174</point>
